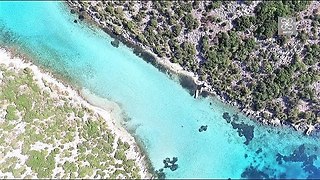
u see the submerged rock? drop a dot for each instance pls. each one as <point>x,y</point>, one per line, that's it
<point>115,43</point>
<point>235,117</point>
<point>72,11</point>
<point>166,160</point>
<point>160,174</point>
<point>171,164</point>
<point>259,151</point>
<point>254,173</point>
<point>227,117</point>
<point>75,21</point>
<point>203,128</point>
<point>174,167</point>
<point>304,155</point>
<point>244,130</point>
<point>81,17</point>
<point>166,165</point>
<point>174,160</point>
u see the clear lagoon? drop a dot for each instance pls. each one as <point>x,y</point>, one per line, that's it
<point>161,113</point>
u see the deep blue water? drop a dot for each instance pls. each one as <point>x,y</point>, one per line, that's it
<point>165,117</point>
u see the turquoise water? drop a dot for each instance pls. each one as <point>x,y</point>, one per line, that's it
<point>163,114</point>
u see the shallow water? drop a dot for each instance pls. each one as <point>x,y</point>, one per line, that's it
<point>163,114</point>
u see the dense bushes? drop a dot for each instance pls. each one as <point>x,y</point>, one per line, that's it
<point>266,17</point>
<point>244,22</point>
<point>176,29</point>
<point>190,22</point>
<point>229,59</point>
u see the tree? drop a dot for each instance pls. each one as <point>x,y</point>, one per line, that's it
<point>190,22</point>
<point>250,44</point>
<point>186,7</point>
<point>153,22</point>
<point>176,29</point>
<point>243,22</point>
<point>293,114</point>
<point>267,14</point>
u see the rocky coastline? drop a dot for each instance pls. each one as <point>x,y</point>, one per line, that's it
<point>187,79</point>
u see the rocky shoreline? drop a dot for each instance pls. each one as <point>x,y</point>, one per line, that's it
<point>187,79</point>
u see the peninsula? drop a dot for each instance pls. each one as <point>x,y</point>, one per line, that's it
<point>57,134</point>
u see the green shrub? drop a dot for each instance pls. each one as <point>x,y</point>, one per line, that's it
<point>11,113</point>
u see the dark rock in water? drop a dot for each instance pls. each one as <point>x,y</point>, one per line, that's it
<point>259,151</point>
<point>283,176</point>
<point>203,128</point>
<point>210,103</point>
<point>160,174</point>
<point>171,164</point>
<point>166,160</point>
<point>235,117</point>
<point>279,158</point>
<point>137,52</point>
<point>301,154</point>
<point>245,155</point>
<point>227,117</point>
<point>174,160</point>
<point>298,155</point>
<point>115,43</point>
<point>166,165</point>
<point>253,173</point>
<point>81,17</point>
<point>72,11</point>
<point>75,21</point>
<point>174,167</point>
<point>244,130</point>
